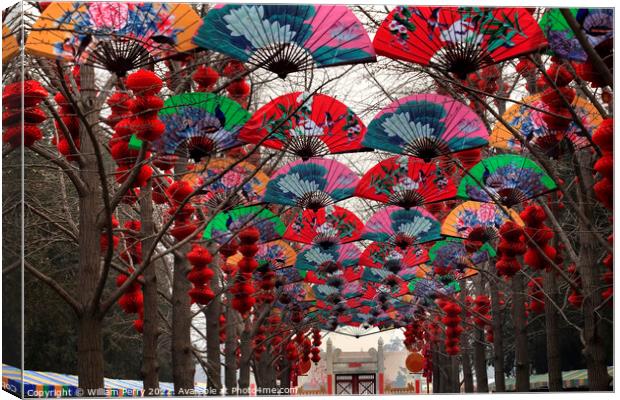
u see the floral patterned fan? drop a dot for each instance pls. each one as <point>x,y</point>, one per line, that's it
<point>426,126</point>
<point>402,228</point>
<point>226,224</point>
<point>335,294</point>
<point>349,273</point>
<point>312,184</point>
<point>328,260</point>
<point>596,23</point>
<point>331,224</point>
<point>386,282</point>
<point>118,37</point>
<point>305,125</point>
<point>458,40</point>
<point>529,123</point>
<point>286,38</point>
<point>451,256</point>
<point>406,182</point>
<point>277,254</point>
<point>484,219</point>
<point>507,179</point>
<point>427,290</point>
<point>393,258</point>
<point>198,125</point>
<point>241,184</point>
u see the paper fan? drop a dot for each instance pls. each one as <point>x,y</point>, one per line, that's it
<point>331,224</point>
<point>405,182</point>
<point>328,260</point>
<point>337,273</point>
<point>198,125</point>
<point>278,254</point>
<point>530,124</point>
<point>393,258</point>
<point>10,47</point>
<point>118,37</point>
<point>389,283</point>
<point>426,126</point>
<point>452,256</point>
<point>241,184</point>
<point>312,184</point>
<point>427,290</point>
<point>305,125</point>
<point>484,217</point>
<point>335,295</point>
<point>225,224</point>
<point>402,228</point>
<point>286,38</point>
<point>458,40</point>
<point>597,24</point>
<point>507,179</point>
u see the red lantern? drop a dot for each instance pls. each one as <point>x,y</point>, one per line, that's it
<point>144,83</point>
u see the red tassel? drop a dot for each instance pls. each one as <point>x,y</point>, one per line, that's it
<point>238,89</point>
<point>13,135</point>
<point>605,166</point>
<point>205,76</point>
<point>33,94</point>
<point>603,137</point>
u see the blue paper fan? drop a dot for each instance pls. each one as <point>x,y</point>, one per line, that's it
<point>311,184</point>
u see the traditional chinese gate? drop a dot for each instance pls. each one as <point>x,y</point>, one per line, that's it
<point>356,384</point>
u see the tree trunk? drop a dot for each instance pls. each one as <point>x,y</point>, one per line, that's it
<point>468,377</point>
<point>554,367</point>
<point>589,270</point>
<point>212,317</point>
<point>480,362</point>
<point>183,367</point>
<point>436,370</point>
<point>90,338</point>
<point>480,359</point>
<point>522,365</point>
<point>244,365</point>
<point>90,355</point>
<point>498,340</point>
<point>230,360</point>
<point>150,333</point>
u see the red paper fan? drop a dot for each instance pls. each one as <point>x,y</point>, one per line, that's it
<point>406,182</point>
<point>331,224</point>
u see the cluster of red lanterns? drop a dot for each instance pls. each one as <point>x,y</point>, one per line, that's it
<point>452,321</point>
<point>604,188</point>
<point>316,342</point>
<point>539,252</point>
<point>132,253</point>
<point>258,342</point>
<point>33,93</point>
<point>132,301</point>
<point>413,335</point>
<point>266,283</point>
<point>482,307</point>
<point>70,120</point>
<point>184,225</point>
<point>587,72</point>
<point>575,298</point>
<point>145,86</point>
<point>238,89</point>
<point>206,78</point>
<point>243,288</point>
<point>559,117</point>
<point>103,239</point>
<point>511,244</point>
<point>200,275</point>
<point>536,304</point>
